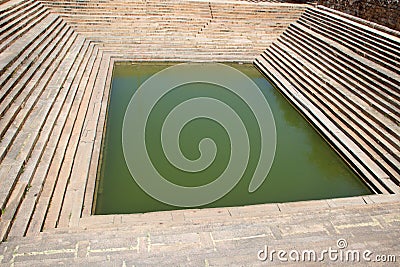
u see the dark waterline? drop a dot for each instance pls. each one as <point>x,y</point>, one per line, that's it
<point>305,167</point>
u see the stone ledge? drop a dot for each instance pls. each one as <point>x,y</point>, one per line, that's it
<point>221,214</point>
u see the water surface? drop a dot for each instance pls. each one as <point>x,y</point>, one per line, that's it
<point>305,166</point>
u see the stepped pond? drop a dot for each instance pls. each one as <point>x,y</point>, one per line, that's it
<point>305,167</point>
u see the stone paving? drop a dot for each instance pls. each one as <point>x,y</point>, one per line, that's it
<point>223,237</point>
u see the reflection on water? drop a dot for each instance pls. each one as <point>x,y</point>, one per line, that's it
<point>305,167</point>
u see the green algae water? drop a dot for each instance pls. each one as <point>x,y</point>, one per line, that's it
<point>305,167</point>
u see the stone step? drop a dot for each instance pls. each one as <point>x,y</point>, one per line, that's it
<point>188,41</point>
<point>173,5</point>
<point>178,30</point>
<point>61,150</point>
<point>339,113</point>
<point>55,121</point>
<point>354,44</point>
<point>89,195</point>
<point>185,38</point>
<point>193,220</point>
<point>182,11</point>
<point>143,26</point>
<point>375,138</point>
<point>384,88</point>
<point>358,94</point>
<point>167,20</point>
<point>74,196</point>
<point>19,73</point>
<point>146,23</point>
<point>192,217</point>
<point>195,45</point>
<point>387,121</point>
<point>18,69</point>
<point>343,112</point>
<point>211,242</point>
<point>27,91</point>
<point>194,57</point>
<point>8,56</point>
<point>29,186</point>
<point>376,94</point>
<point>64,170</point>
<point>14,163</point>
<point>18,16</point>
<point>172,26</point>
<point>198,49</point>
<point>8,8</point>
<point>385,76</point>
<point>22,28</point>
<point>388,36</point>
<point>22,105</point>
<point>317,119</point>
<point>369,169</point>
<point>201,44</point>
<point>345,115</point>
<point>379,39</point>
<point>169,227</point>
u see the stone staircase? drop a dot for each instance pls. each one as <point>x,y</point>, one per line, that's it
<point>179,30</point>
<point>48,74</point>
<point>344,77</point>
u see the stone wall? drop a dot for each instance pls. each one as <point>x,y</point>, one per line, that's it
<point>384,12</point>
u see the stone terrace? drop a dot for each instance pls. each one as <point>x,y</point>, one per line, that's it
<point>56,60</point>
